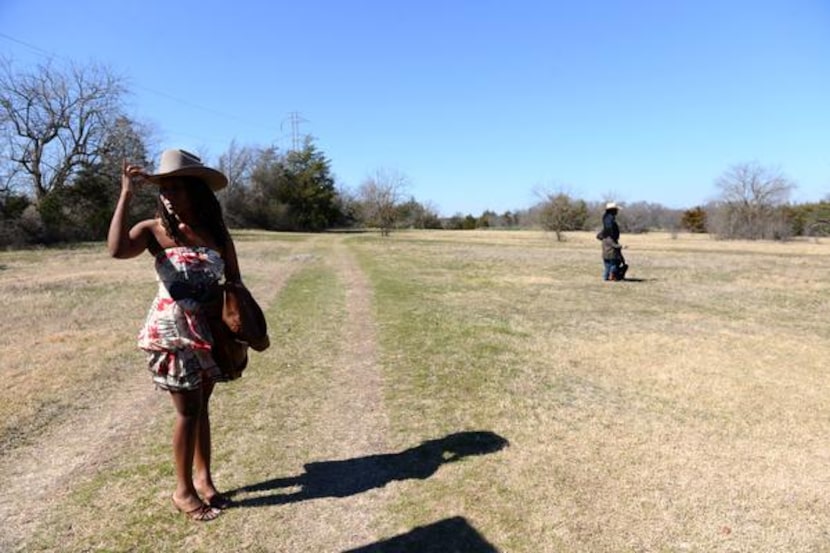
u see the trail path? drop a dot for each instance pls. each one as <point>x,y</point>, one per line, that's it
<point>356,408</point>
<point>354,415</point>
<point>35,477</point>
<point>350,425</point>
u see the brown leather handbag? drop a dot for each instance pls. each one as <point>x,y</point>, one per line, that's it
<point>240,325</point>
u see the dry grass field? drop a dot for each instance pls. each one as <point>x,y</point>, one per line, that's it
<point>437,391</point>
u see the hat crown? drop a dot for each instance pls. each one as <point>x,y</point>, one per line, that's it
<point>181,163</point>
<point>173,160</point>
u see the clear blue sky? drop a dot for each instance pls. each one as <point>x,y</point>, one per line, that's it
<point>478,102</point>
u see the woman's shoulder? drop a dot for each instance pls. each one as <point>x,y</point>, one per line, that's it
<point>146,225</point>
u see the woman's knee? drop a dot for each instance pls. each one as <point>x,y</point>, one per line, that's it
<point>188,404</point>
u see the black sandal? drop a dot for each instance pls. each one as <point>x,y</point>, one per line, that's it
<point>202,513</point>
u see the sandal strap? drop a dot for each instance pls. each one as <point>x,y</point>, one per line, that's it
<point>203,513</point>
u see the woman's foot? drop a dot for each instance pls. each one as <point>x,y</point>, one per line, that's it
<point>197,510</point>
<point>211,495</point>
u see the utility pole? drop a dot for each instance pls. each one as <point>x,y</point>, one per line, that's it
<point>295,119</point>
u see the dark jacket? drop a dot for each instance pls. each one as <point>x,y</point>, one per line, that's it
<point>609,225</point>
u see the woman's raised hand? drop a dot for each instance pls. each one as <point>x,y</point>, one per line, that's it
<point>130,176</point>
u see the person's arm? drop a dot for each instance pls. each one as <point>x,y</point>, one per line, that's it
<point>124,243</point>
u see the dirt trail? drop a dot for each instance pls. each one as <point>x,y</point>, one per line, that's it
<point>35,477</point>
<point>356,410</point>
<point>353,420</point>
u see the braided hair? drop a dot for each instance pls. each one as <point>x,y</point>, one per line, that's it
<point>204,204</point>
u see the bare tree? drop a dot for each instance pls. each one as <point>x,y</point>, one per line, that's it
<point>238,163</point>
<point>750,201</point>
<point>53,121</point>
<point>558,212</point>
<point>380,195</point>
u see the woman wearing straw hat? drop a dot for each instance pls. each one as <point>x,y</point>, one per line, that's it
<point>193,251</point>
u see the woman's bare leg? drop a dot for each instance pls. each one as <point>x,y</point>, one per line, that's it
<point>185,431</point>
<point>203,479</point>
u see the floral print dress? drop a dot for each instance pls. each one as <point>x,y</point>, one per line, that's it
<point>176,335</point>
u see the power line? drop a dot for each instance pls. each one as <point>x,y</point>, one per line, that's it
<point>51,55</point>
<point>30,46</point>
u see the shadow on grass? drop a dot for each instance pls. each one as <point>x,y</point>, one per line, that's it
<point>348,477</point>
<point>452,534</point>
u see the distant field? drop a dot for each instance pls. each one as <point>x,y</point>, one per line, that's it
<point>479,390</point>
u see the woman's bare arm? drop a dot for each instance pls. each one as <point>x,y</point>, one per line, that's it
<point>123,243</point>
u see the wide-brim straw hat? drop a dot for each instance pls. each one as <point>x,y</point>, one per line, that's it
<point>611,205</point>
<point>179,163</point>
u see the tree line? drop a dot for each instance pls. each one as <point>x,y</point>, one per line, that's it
<point>65,132</point>
<point>753,204</point>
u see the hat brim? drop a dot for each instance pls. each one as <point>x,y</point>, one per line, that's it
<point>213,178</point>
